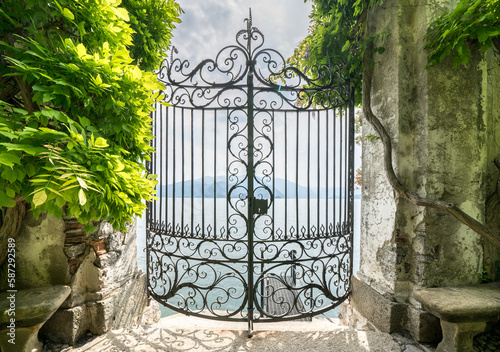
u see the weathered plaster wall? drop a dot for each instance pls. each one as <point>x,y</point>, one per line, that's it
<point>441,121</point>
<point>108,291</point>
<point>491,106</point>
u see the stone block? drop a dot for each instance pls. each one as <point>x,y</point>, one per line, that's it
<point>152,313</point>
<point>104,230</point>
<point>67,325</point>
<point>462,304</point>
<point>116,241</point>
<point>40,257</point>
<point>32,308</point>
<point>349,316</point>
<point>384,313</point>
<point>458,337</point>
<point>423,326</point>
<point>75,250</point>
<point>121,308</point>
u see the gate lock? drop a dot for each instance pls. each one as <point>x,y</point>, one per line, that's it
<point>259,206</point>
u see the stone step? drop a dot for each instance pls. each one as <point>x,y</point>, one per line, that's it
<point>182,333</point>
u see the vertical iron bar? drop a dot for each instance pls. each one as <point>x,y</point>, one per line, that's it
<point>319,169</point>
<point>149,205</point>
<point>160,176</point>
<point>203,230</point>
<point>293,256</point>
<point>286,179</point>
<point>262,279</point>
<point>228,196</point>
<point>341,117</point>
<point>327,140</point>
<point>351,179</point>
<point>215,173</point>
<point>334,168</point>
<point>297,173</point>
<point>155,124</point>
<point>250,175</point>
<point>346,163</point>
<point>167,109</point>
<point>192,173</point>
<point>148,169</point>
<point>174,227</point>
<point>183,173</point>
<point>273,198</point>
<point>309,174</point>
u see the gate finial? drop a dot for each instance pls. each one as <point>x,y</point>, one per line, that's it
<point>249,30</point>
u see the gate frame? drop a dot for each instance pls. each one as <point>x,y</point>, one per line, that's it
<point>327,96</point>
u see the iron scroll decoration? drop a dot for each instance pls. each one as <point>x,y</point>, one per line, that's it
<point>254,265</point>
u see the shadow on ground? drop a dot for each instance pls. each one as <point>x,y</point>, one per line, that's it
<point>152,339</point>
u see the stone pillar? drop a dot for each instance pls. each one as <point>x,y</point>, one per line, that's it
<point>108,291</point>
<point>443,122</point>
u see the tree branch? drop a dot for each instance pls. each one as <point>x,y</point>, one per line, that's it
<point>11,220</point>
<point>396,184</point>
<point>26,94</point>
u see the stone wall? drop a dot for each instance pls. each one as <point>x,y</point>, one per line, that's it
<point>444,126</point>
<point>108,291</point>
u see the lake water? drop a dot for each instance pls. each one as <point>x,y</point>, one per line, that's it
<point>141,235</point>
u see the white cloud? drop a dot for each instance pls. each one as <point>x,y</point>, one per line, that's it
<point>209,25</point>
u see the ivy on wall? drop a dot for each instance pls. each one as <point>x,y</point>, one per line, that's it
<point>339,36</point>
<point>475,22</point>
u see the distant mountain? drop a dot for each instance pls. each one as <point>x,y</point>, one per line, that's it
<point>292,190</point>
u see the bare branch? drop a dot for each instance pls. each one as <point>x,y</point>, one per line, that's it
<point>396,184</point>
<point>11,220</point>
<point>26,94</point>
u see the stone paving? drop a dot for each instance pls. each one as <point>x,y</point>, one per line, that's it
<point>180,333</point>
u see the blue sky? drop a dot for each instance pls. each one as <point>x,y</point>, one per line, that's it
<point>209,25</point>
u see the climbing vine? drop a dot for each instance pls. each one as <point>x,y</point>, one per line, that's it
<point>339,35</point>
<point>473,23</point>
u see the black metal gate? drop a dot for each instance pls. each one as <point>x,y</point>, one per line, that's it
<point>254,162</point>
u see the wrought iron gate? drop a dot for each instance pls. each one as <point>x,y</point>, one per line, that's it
<point>254,162</point>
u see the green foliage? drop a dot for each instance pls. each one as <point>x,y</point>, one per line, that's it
<point>75,109</point>
<point>337,36</point>
<point>476,21</point>
<point>484,276</point>
<point>152,22</point>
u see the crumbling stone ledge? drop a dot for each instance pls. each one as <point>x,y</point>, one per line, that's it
<point>464,312</point>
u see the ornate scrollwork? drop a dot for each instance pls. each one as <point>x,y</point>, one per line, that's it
<point>206,269</point>
<point>221,82</point>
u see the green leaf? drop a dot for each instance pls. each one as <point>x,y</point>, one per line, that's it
<point>81,50</point>
<point>68,14</point>
<point>85,122</point>
<point>30,170</point>
<point>101,142</point>
<point>28,149</point>
<point>82,183</point>
<point>73,67</point>
<point>39,198</point>
<point>6,201</point>
<point>60,202</point>
<point>90,228</point>
<point>81,197</point>
<point>54,191</point>
<point>9,159</point>
<point>121,13</point>
<point>9,175</point>
<point>10,192</point>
